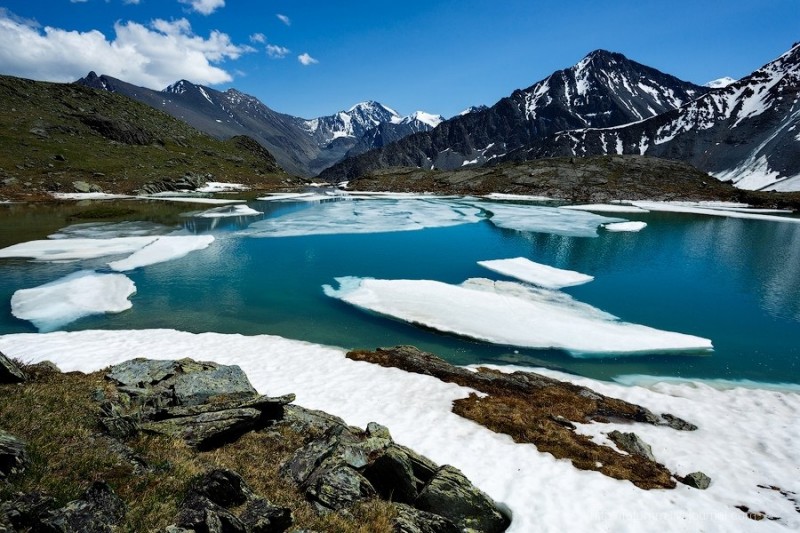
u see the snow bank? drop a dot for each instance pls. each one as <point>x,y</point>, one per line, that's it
<point>218,186</point>
<point>510,314</point>
<point>545,219</point>
<point>606,208</point>
<point>191,199</point>
<point>717,211</point>
<point>236,210</point>
<point>625,226</point>
<point>536,273</point>
<point>746,437</point>
<point>89,196</point>
<point>373,216</point>
<point>85,293</point>
<point>75,249</point>
<point>161,250</point>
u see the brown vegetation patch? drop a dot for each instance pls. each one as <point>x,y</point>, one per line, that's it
<point>536,409</point>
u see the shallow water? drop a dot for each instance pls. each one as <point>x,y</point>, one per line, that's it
<point>730,280</point>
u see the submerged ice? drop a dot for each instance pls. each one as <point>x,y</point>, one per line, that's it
<point>366,216</point>
<point>81,294</point>
<point>161,250</point>
<point>571,223</point>
<point>510,314</point>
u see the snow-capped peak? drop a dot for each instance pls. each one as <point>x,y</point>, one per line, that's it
<point>371,106</point>
<point>719,83</point>
<point>426,118</point>
<point>473,109</point>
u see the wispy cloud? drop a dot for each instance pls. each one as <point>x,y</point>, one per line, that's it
<point>154,55</point>
<point>206,7</point>
<point>258,38</point>
<point>134,2</point>
<point>283,18</point>
<point>277,52</point>
<point>78,1</point>
<point>306,59</point>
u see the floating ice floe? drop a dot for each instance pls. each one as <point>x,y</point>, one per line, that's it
<point>606,208</point>
<point>218,186</point>
<point>75,249</point>
<point>719,210</point>
<point>111,230</point>
<point>89,196</point>
<point>746,437</point>
<point>283,196</point>
<point>85,293</point>
<point>545,219</point>
<point>536,273</point>
<point>373,216</point>
<point>625,226</point>
<point>305,196</point>
<point>237,210</point>
<point>510,314</point>
<point>162,249</point>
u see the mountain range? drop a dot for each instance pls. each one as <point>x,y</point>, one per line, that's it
<point>744,131</point>
<point>301,146</point>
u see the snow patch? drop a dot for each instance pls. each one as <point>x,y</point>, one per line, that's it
<point>218,186</point>
<point>236,210</point>
<point>81,294</point>
<point>89,196</point>
<point>738,429</point>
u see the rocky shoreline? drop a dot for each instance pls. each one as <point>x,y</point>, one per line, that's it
<point>206,408</point>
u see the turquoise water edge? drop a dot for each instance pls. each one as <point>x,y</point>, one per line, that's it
<point>730,280</point>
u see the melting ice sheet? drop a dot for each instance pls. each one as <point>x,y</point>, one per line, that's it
<point>540,219</point>
<point>366,216</point>
<point>745,438</point>
<point>606,208</point>
<point>718,209</point>
<point>60,302</point>
<point>510,314</point>
<point>161,250</point>
<point>110,230</point>
<point>236,210</point>
<point>536,273</point>
<point>144,250</point>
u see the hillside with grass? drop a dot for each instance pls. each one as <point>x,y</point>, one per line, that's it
<point>52,135</point>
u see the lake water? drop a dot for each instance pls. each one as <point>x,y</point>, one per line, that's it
<point>730,280</point>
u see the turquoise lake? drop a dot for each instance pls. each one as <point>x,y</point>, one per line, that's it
<point>730,280</point>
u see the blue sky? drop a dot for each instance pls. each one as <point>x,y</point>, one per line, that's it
<point>311,58</point>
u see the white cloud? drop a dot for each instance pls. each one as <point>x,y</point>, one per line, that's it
<point>153,56</point>
<point>284,19</point>
<point>134,2</point>
<point>258,38</point>
<point>206,7</point>
<point>78,1</point>
<point>277,52</point>
<point>306,59</point>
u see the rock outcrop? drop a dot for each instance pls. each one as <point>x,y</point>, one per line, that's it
<point>13,457</point>
<point>205,404</point>
<point>9,371</point>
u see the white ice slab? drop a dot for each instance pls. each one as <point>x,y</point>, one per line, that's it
<point>218,186</point>
<point>310,197</point>
<point>542,219</point>
<point>278,196</point>
<point>75,249</point>
<point>536,273</point>
<point>161,250</point>
<point>731,212</point>
<point>632,226</point>
<point>510,314</point>
<point>89,196</point>
<point>85,293</point>
<point>111,230</point>
<point>374,216</point>
<point>237,210</point>
<point>746,437</point>
<point>606,208</point>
